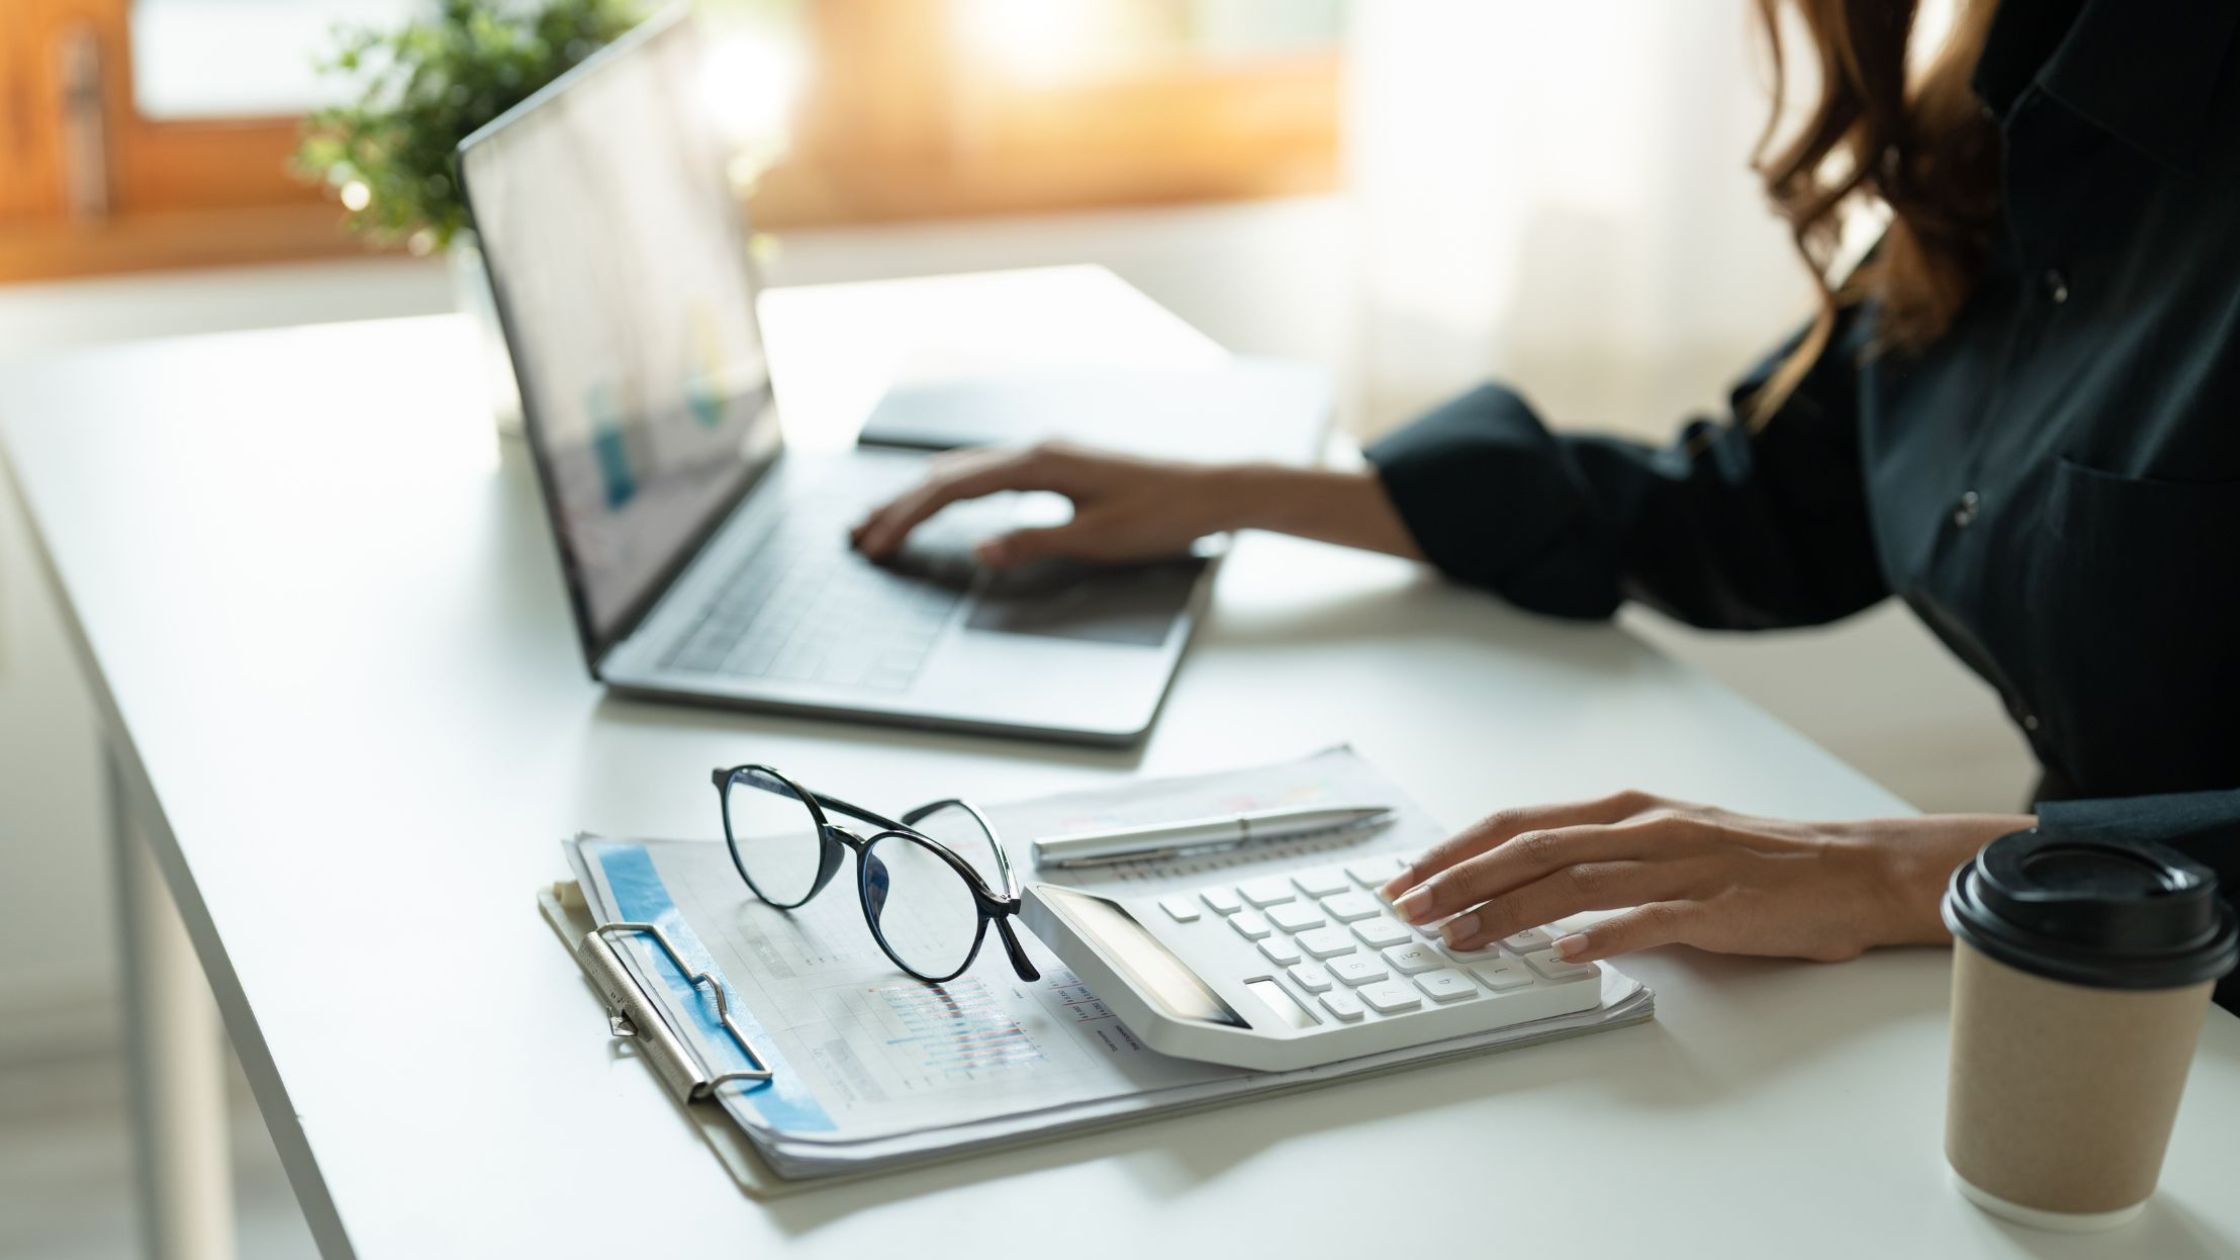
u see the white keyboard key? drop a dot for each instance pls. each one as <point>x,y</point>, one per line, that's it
<point>1342,1004</point>
<point>1297,917</point>
<point>1326,942</point>
<point>1310,977</point>
<point>1547,964</point>
<point>1281,952</point>
<point>1528,940</point>
<point>1266,892</point>
<point>1321,883</point>
<point>1389,997</point>
<point>1413,957</point>
<point>1346,907</point>
<point>1446,985</point>
<point>1375,872</point>
<point>1358,969</point>
<point>1249,925</point>
<point>1502,974</point>
<point>1180,909</point>
<point>1221,901</point>
<point>1381,931</point>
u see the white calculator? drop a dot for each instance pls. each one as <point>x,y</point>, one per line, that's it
<point>1291,970</point>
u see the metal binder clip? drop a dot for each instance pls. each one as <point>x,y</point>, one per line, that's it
<point>631,1014</point>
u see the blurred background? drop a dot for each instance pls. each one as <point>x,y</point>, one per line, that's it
<point>1415,193</point>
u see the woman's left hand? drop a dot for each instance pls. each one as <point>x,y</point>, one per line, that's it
<point>1694,875</point>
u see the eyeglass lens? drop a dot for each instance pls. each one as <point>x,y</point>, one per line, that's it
<point>920,906</point>
<point>773,837</point>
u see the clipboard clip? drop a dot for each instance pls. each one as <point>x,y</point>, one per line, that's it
<point>631,1014</point>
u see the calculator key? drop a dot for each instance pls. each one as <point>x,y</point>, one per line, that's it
<point>1281,952</point>
<point>1321,883</point>
<point>1358,969</point>
<point>1375,872</point>
<point>1528,940</point>
<point>1249,925</point>
<point>1221,901</point>
<point>1446,985</point>
<point>1502,974</point>
<point>1297,917</point>
<point>1413,957</point>
<point>1180,909</point>
<point>1328,942</point>
<point>1341,1004</point>
<point>1346,907</point>
<point>1266,892</point>
<point>1547,964</point>
<point>1388,997</point>
<point>1381,931</point>
<point>1310,977</point>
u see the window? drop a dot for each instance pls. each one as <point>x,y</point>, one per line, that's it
<point>980,106</point>
<point>145,133</point>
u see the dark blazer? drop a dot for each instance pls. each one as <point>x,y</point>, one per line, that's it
<point>2054,486</point>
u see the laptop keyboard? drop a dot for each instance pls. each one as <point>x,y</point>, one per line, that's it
<point>803,608</point>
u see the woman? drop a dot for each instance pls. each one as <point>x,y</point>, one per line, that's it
<point>2021,414</point>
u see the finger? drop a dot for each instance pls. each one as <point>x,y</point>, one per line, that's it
<point>992,471</point>
<point>1537,854</point>
<point>1643,927</point>
<point>1499,828</point>
<point>1023,545</point>
<point>1587,886</point>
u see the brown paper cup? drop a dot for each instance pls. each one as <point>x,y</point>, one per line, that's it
<point>2062,1097</point>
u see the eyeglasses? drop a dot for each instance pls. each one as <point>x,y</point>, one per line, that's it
<point>926,904</point>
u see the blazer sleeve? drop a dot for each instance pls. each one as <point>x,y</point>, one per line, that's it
<point>1726,527</point>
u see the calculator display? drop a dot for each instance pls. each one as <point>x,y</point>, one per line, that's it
<point>1150,966</point>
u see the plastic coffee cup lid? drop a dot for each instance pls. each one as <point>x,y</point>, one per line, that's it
<point>2100,913</point>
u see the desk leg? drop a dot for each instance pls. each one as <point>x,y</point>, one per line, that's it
<point>177,1049</point>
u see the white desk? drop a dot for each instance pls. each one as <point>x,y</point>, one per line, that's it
<point>325,621</point>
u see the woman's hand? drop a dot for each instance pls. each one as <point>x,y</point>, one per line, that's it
<point>1692,875</point>
<point>1126,508</point>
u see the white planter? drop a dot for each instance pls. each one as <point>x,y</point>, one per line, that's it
<point>470,283</point>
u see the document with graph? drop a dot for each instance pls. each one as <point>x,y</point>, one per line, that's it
<point>870,1066</point>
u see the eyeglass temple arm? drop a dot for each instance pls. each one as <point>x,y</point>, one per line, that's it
<point>724,776</point>
<point>1003,859</point>
<point>838,806</point>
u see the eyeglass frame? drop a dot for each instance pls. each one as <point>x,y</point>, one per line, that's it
<point>833,840</point>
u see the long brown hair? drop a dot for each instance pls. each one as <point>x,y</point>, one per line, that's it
<point>1923,148</point>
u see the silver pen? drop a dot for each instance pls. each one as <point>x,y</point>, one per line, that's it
<point>1193,836</point>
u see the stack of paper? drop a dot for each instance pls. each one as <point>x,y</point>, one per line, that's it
<point>874,1068</point>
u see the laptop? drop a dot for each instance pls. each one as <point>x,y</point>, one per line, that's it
<point>705,563</point>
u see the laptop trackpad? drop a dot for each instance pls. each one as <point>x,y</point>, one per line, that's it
<point>1133,604</point>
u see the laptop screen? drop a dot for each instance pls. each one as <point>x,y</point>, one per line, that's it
<point>616,252</point>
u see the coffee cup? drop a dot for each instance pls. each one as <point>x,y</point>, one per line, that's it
<point>2082,971</point>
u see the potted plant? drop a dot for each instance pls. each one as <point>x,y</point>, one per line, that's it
<point>422,88</point>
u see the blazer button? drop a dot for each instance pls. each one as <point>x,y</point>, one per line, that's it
<point>1964,513</point>
<point>2030,723</point>
<point>2057,287</point>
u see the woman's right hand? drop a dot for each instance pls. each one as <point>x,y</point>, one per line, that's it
<point>1124,508</point>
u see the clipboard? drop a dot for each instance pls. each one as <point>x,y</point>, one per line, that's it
<point>634,1016</point>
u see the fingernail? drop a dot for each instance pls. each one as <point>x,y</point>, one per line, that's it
<point>1416,906</point>
<point>1571,946</point>
<point>1460,929</point>
<point>1393,886</point>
